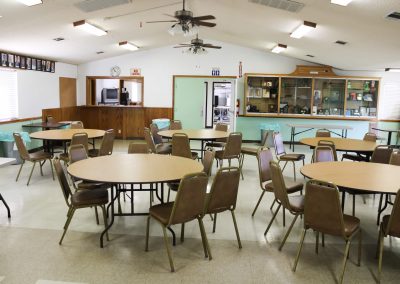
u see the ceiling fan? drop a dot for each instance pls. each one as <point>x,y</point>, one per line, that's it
<point>185,22</point>
<point>197,46</point>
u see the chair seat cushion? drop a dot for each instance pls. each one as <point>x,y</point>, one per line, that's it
<point>351,224</point>
<point>292,157</point>
<point>90,197</point>
<point>214,144</point>
<point>268,186</point>
<point>165,148</point>
<point>162,212</point>
<point>297,203</point>
<point>91,185</point>
<point>40,155</point>
<point>93,153</point>
<point>173,185</point>
<point>291,186</point>
<point>195,155</point>
<point>352,157</point>
<point>249,151</point>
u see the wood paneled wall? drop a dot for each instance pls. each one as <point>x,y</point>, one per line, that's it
<point>128,122</point>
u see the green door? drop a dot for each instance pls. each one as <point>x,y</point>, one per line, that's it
<point>189,100</point>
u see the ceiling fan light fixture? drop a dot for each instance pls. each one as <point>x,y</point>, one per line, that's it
<point>279,48</point>
<point>89,28</point>
<point>303,29</point>
<point>30,2</point>
<point>341,2</point>
<point>129,46</point>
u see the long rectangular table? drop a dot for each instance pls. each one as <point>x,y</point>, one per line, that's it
<point>309,127</point>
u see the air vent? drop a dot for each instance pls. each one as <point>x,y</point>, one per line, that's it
<point>309,55</point>
<point>341,42</point>
<point>58,39</point>
<point>287,5</point>
<point>394,16</point>
<point>99,52</point>
<point>95,5</point>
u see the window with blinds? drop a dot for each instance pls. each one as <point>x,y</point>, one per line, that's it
<point>8,94</point>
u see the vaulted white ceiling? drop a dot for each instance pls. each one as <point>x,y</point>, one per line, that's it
<point>373,40</point>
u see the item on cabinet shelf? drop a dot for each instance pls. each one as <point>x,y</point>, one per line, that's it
<point>317,96</point>
<point>272,108</point>
<point>348,85</point>
<point>367,97</point>
<point>353,96</point>
<point>135,71</point>
<point>273,96</point>
<point>265,93</point>
<point>359,97</point>
<point>269,84</point>
<point>284,108</point>
<point>314,110</point>
<point>366,86</point>
<point>363,111</point>
<point>371,111</point>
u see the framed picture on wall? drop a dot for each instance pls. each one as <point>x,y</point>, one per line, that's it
<point>48,66</point>
<point>17,61</point>
<point>53,67</point>
<point>10,60</point>
<point>28,63</point>
<point>23,62</point>
<point>33,63</point>
<point>4,59</point>
<point>38,64</point>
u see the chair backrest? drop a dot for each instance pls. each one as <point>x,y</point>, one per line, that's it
<point>322,210</point>
<point>149,140</point>
<point>323,154</point>
<point>264,157</point>
<point>190,198</point>
<point>62,179</point>
<point>381,154</point>
<point>393,228</point>
<point>77,125</point>
<point>278,144</point>
<point>181,146</point>
<point>224,190</point>
<point>322,133</point>
<point>23,152</point>
<point>154,132</point>
<point>395,158</point>
<point>233,146</point>
<point>329,144</point>
<point>278,182</point>
<point>369,136</point>
<point>175,125</point>
<point>76,153</point>
<point>221,127</point>
<point>208,160</point>
<point>80,138</point>
<point>138,148</point>
<point>107,144</point>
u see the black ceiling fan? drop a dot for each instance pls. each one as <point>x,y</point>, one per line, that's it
<point>185,22</point>
<point>197,46</point>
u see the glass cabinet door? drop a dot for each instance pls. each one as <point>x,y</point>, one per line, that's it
<point>329,96</point>
<point>262,94</point>
<point>295,95</point>
<point>362,97</point>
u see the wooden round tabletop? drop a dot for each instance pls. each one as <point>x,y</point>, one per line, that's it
<point>196,134</point>
<point>65,134</point>
<point>134,168</point>
<point>364,176</point>
<point>343,144</point>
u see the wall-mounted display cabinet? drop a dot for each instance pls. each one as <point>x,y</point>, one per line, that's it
<point>311,92</point>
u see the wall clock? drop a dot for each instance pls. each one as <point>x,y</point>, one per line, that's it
<point>115,71</point>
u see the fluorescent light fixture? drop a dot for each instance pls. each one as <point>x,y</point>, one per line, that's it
<point>89,28</point>
<point>303,29</point>
<point>30,2</point>
<point>279,48</point>
<point>341,2</point>
<point>128,46</point>
<point>392,69</point>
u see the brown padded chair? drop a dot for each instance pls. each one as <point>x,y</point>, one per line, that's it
<point>50,119</point>
<point>329,144</point>
<point>77,125</point>
<point>294,204</point>
<point>223,195</point>
<point>322,133</point>
<point>323,214</point>
<point>163,148</point>
<point>323,154</point>
<point>175,125</point>
<point>282,156</point>
<point>231,150</point>
<point>36,157</point>
<point>189,205</point>
<point>6,205</point>
<point>79,199</point>
<point>77,139</point>
<point>138,148</point>
<point>154,132</point>
<point>264,157</point>
<point>390,226</point>
<point>220,142</point>
<point>107,145</point>
<point>358,157</point>
<point>181,146</point>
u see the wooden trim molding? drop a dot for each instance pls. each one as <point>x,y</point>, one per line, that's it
<point>19,120</point>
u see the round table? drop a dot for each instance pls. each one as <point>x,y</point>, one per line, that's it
<point>140,169</point>
<point>343,144</point>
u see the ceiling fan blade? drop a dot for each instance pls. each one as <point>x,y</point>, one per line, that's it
<point>206,24</point>
<point>211,46</point>
<point>202,18</point>
<point>170,21</point>
<point>185,44</point>
<point>172,16</point>
<point>181,46</point>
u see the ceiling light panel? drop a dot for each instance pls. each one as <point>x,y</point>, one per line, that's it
<point>95,5</point>
<point>128,46</point>
<point>30,2</point>
<point>286,5</point>
<point>279,48</point>
<point>341,2</point>
<point>303,29</point>
<point>87,27</point>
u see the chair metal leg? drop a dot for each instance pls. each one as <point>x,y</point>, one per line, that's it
<point>97,215</point>
<point>294,170</point>
<point>241,161</point>
<point>182,232</point>
<point>284,166</point>
<point>381,238</point>
<point>214,222</point>
<point>272,220</point>
<point>346,254</point>
<point>299,249</point>
<point>67,224</point>
<point>147,234</point>
<point>169,192</point>
<point>288,232</point>
<point>202,240</point>
<point>258,203</point>
<point>41,167</point>
<point>359,247</point>
<point>171,263</point>
<point>379,209</point>
<point>272,205</point>
<point>316,242</point>
<point>323,240</point>
<point>103,208</point>
<point>29,179</point>
<point>6,205</point>
<point>354,205</point>
<point>236,229</point>
<point>205,238</point>
<point>284,216</point>
<point>51,167</point>
<point>20,168</point>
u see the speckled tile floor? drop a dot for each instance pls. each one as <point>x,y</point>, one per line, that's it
<point>30,253</point>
